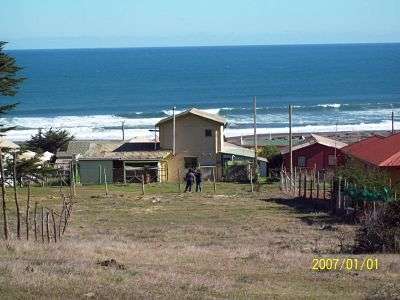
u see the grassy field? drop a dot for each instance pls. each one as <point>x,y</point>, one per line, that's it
<point>228,245</point>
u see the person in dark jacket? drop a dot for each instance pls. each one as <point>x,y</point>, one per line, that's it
<point>199,180</point>
<point>189,180</point>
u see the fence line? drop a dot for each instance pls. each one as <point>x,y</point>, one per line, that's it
<point>329,191</point>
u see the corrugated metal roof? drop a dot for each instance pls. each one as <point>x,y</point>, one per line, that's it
<point>377,150</point>
<point>134,155</point>
<point>197,112</point>
<point>111,150</point>
<point>233,149</point>
<point>316,139</point>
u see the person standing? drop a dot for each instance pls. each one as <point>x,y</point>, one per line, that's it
<point>189,180</point>
<point>199,180</point>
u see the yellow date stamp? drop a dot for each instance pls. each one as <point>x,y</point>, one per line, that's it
<point>344,264</point>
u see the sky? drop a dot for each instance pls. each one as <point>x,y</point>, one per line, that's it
<point>30,24</point>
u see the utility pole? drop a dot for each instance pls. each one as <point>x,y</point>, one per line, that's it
<point>123,130</point>
<point>290,141</point>
<point>392,122</point>
<point>173,131</point>
<point>255,137</point>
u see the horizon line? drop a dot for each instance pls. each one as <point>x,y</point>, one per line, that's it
<point>209,46</point>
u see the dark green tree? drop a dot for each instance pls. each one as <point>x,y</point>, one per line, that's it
<point>272,153</point>
<point>361,175</point>
<point>33,169</point>
<point>9,82</point>
<point>50,140</point>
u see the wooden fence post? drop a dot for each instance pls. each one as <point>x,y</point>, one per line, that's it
<point>16,194</point>
<point>27,211</point>
<point>143,184</point>
<point>34,222</point>
<point>60,220</point>
<point>311,187</point>
<point>73,180</point>
<point>251,180</point>
<point>339,196</point>
<point>324,187</point>
<point>305,185</point>
<point>299,184</point>
<point>54,226</point>
<point>317,184</point>
<point>105,181</point>
<point>42,226</point>
<point>47,227</point>
<point>332,195</point>
<point>3,192</point>
<point>66,216</point>
<point>99,174</point>
<point>179,181</point>
<point>214,183</point>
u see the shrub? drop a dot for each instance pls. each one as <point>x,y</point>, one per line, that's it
<point>363,176</point>
<point>380,230</point>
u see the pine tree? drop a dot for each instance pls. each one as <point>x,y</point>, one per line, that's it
<point>9,82</point>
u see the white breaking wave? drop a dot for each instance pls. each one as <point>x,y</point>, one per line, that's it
<point>331,105</point>
<point>82,127</point>
<point>169,112</point>
<point>66,122</point>
<point>107,127</point>
<point>386,125</point>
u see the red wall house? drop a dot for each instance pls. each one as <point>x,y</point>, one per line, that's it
<point>379,152</point>
<point>316,152</point>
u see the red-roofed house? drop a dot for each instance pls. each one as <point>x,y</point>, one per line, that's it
<point>317,152</point>
<point>380,152</point>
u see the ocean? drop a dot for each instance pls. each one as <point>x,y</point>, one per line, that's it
<point>91,91</point>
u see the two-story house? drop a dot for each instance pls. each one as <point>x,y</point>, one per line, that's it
<point>199,141</point>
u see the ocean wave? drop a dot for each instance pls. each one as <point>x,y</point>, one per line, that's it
<point>97,133</point>
<point>68,122</point>
<point>169,112</point>
<point>385,125</point>
<point>313,118</point>
<point>330,105</point>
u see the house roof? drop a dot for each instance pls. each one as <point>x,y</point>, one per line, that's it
<point>377,150</point>
<point>134,155</point>
<point>197,112</point>
<point>233,149</point>
<point>317,139</point>
<point>112,150</point>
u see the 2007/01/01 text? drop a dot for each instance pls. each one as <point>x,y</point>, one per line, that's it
<point>346,264</point>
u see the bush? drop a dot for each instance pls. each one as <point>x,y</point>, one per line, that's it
<point>272,153</point>
<point>380,230</point>
<point>362,175</point>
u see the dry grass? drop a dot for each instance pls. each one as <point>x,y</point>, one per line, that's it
<point>233,245</point>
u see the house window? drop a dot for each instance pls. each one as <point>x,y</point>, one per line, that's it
<point>191,162</point>
<point>331,160</point>
<point>301,161</point>
<point>208,132</point>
